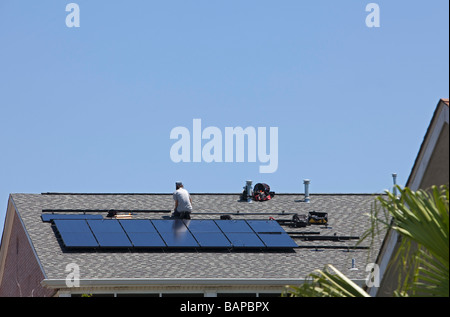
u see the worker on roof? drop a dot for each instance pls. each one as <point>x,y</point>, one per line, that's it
<point>183,202</point>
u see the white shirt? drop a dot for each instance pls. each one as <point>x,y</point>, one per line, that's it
<point>182,196</point>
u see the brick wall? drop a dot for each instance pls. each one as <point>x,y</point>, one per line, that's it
<point>22,275</point>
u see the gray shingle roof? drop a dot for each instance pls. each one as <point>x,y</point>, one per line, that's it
<point>347,215</point>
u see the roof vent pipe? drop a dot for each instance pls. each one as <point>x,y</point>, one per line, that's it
<point>306,182</point>
<point>353,268</point>
<point>394,178</point>
<point>248,188</point>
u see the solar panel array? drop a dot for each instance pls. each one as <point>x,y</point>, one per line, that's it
<point>139,233</point>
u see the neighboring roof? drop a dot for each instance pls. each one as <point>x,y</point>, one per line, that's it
<point>347,214</point>
<point>433,151</point>
<point>430,168</point>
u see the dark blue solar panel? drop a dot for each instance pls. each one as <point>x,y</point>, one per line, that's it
<point>244,240</point>
<point>169,225</point>
<point>239,233</point>
<point>179,239</point>
<point>78,240</point>
<point>146,239</point>
<point>202,226</point>
<point>72,226</point>
<point>78,233</point>
<point>265,226</point>
<point>50,217</point>
<point>207,233</point>
<point>109,233</point>
<point>75,233</point>
<point>272,234</point>
<point>175,233</point>
<point>212,240</point>
<point>137,225</point>
<point>142,233</point>
<point>234,226</point>
<point>277,240</point>
<point>113,240</point>
<point>108,225</point>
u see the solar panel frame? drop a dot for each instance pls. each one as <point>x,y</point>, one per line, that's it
<point>65,225</point>
<point>106,225</point>
<point>78,240</point>
<point>137,225</point>
<point>272,234</point>
<point>168,225</point>
<point>113,240</point>
<point>234,226</point>
<point>197,233</point>
<point>109,233</point>
<point>142,233</point>
<point>240,234</point>
<point>207,233</point>
<point>146,240</point>
<point>179,240</point>
<point>244,240</point>
<point>175,233</point>
<point>75,233</point>
<point>265,226</point>
<point>212,240</point>
<point>277,240</point>
<point>51,217</point>
<point>202,225</point>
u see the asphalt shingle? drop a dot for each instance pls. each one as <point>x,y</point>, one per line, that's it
<point>347,215</point>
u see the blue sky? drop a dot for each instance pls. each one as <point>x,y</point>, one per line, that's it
<point>90,109</point>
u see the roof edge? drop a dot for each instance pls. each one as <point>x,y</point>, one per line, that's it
<point>431,126</point>
<point>133,282</point>
<point>192,193</point>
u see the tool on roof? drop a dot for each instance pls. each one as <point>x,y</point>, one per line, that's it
<point>313,218</point>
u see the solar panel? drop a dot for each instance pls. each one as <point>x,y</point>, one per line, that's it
<point>277,240</point>
<point>234,226</point>
<point>75,233</point>
<point>142,233</point>
<point>201,226</point>
<point>109,233</point>
<point>137,225</point>
<point>207,233</point>
<point>175,233</point>
<point>169,225</point>
<point>240,234</point>
<point>146,240</point>
<point>272,234</point>
<point>212,240</point>
<point>51,217</point>
<point>264,226</point>
<point>72,226</point>
<point>244,240</point>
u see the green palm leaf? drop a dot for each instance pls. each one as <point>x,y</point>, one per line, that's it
<point>422,219</point>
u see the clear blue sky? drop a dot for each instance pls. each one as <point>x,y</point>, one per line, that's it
<point>90,109</point>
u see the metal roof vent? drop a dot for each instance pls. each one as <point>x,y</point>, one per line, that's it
<point>306,182</point>
<point>353,268</point>
<point>394,178</point>
<point>248,188</point>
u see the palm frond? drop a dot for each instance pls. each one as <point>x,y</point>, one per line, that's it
<point>329,282</point>
<point>422,220</point>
